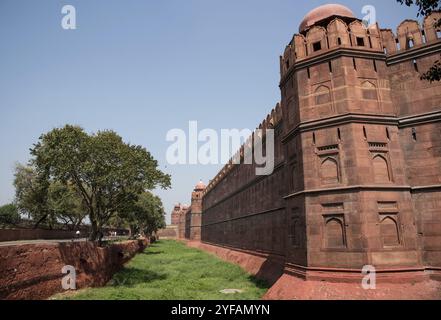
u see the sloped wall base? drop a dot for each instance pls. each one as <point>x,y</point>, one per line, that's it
<point>418,285</point>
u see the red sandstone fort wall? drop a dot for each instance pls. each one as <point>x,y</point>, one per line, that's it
<point>358,149</point>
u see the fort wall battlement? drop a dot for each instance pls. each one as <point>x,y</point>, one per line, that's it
<point>357,178</point>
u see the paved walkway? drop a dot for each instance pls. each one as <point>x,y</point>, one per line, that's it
<point>23,242</point>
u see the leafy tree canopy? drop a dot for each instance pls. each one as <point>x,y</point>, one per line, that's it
<point>47,202</point>
<point>105,172</point>
<point>9,214</point>
<point>146,215</point>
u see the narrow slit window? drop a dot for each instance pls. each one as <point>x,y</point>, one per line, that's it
<point>414,134</point>
<point>387,134</point>
<point>364,132</point>
<point>330,66</point>
<point>375,65</point>
<point>313,138</point>
<point>309,73</point>
<point>354,63</point>
<point>339,134</point>
<point>339,41</point>
<point>415,65</point>
<point>410,43</point>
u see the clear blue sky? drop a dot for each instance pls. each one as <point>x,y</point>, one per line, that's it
<point>144,67</point>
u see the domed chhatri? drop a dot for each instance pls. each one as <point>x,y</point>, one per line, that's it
<point>200,186</point>
<point>323,12</point>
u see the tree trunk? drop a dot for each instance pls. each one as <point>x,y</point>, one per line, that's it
<point>94,235</point>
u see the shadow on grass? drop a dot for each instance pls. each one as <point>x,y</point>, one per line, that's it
<point>150,252</point>
<point>130,277</point>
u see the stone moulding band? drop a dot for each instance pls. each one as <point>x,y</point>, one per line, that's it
<point>365,188</point>
<point>356,275</point>
<point>365,53</point>
<point>412,189</point>
<point>337,274</point>
<point>414,53</point>
<point>401,122</point>
<point>356,271</point>
<point>332,54</point>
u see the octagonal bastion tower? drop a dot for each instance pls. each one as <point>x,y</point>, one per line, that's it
<point>357,179</point>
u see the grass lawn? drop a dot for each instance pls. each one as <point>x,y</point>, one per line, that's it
<point>170,270</point>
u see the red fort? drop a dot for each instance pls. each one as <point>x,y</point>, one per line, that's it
<point>357,179</point>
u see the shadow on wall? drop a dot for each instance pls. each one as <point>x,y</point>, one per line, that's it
<point>270,270</point>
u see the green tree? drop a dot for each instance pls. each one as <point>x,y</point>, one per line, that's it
<point>47,202</point>
<point>426,7</point>
<point>108,173</point>
<point>156,216</point>
<point>146,216</point>
<point>31,195</point>
<point>9,214</point>
<point>66,204</point>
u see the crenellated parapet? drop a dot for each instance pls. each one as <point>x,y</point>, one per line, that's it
<point>411,34</point>
<point>272,120</point>
<point>347,33</point>
<point>335,34</point>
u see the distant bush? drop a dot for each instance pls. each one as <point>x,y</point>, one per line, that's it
<point>9,214</point>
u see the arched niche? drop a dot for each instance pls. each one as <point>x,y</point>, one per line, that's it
<point>322,95</point>
<point>409,34</point>
<point>430,30</point>
<point>296,232</point>
<point>338,34</point>
<point>300,46</point>
<point>358,34</point>
<point>388,40</point>
<point>316,39</point>
<point>329,171</point>
<point>381,169</point>
<point>389,231</point>
<point>374,35</point>
<point>369,90</point>
<point>334,233</point>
